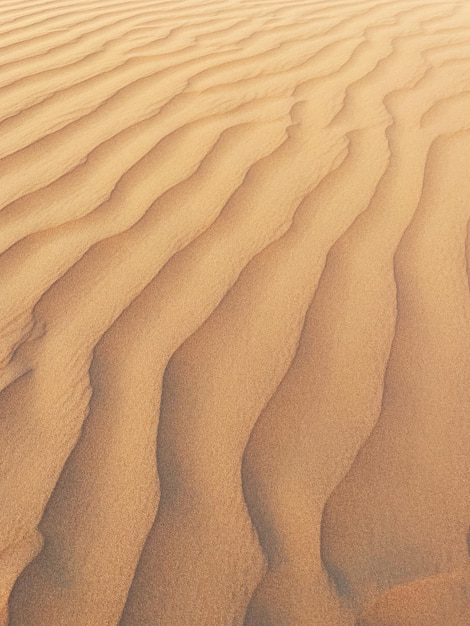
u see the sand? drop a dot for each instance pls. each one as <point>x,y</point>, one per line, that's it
<point>234,312</point>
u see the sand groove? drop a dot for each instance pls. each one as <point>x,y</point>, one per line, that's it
<point>234,324</point>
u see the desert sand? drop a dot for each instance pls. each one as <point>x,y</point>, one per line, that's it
<point>234,312</point>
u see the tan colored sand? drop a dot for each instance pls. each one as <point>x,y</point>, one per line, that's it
<point>234,313</point>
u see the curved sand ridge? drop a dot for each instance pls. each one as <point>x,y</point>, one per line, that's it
<point>234,324</point>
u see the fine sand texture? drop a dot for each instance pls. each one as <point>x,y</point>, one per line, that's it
<point>234,312</point>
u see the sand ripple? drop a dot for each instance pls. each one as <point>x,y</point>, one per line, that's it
<point>234,323</point>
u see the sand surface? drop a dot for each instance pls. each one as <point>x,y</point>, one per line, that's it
<point>234,312</point>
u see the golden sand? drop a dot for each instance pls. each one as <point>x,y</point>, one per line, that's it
<point>234,312</point>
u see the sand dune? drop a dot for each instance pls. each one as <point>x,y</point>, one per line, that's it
<point>234,323</point>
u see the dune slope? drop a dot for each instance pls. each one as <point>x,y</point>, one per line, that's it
<point>234,313</point>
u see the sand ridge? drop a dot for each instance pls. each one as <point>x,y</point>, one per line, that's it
<point>234,323</point>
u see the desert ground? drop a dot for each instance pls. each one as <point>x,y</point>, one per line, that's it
<point>234,312</point>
